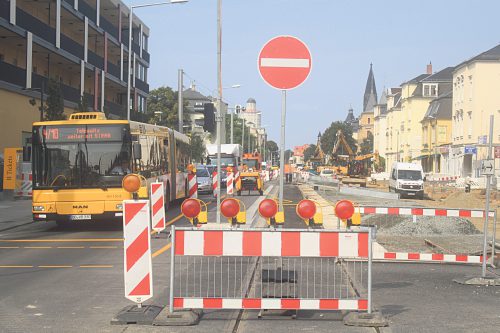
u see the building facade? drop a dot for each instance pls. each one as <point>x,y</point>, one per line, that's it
<point>380,125</point>
<point>392,129</point>
<point>475,98</point>
<point>83,46</point>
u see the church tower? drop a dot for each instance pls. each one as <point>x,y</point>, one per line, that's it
<point>370,97</point>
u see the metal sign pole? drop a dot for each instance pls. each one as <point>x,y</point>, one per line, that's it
<point>172,271</point>
<point>487,208</point>
<point>282,147</point>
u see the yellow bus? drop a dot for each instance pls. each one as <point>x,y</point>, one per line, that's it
<point>79,164</point>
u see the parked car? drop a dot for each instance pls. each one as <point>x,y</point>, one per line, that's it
<point>204,179</point>
<point>327,173</point>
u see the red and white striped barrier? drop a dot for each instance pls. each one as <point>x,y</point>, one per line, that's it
<point>262,243</point>
<point>270,303</point>
<point>230,183</point>
<point>442,179</point>
<point>422,211</point>
<point>214,183</point>
<point>25,189</point>
<point>158,206</point>
<point>236,177</point>
<point>431,257</point>
<point>137,250</point>
<point>193,186</point>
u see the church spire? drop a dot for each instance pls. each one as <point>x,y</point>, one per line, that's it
<point>370,97</point>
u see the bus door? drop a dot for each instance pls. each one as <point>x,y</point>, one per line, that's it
<point>173,166</point>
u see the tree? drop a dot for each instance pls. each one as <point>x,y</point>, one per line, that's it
<point>288,155</point>
<point>330,135</point>
<point>366,147</point>
<point>163,108</point>
<point>309,152</point>
<point>197,148</point>
<point>54,107</point>
<point>237,133</point>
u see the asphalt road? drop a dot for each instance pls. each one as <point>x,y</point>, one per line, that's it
<point>71,280</point>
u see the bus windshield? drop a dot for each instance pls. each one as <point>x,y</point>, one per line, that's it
<point>80,156</point>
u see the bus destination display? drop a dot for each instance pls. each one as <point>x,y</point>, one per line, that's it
<point>81,133</point>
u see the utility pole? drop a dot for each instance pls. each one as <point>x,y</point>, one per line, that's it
<point>219,106</point>
<point>243,135</point>
<point>181,101</point>
<point>232,113</point>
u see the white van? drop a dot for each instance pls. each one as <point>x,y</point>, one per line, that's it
<point>407,179</point>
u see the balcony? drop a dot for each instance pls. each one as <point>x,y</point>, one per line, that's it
<point>135,47</point>
<point>12,74</point>
<point>109,27</point>
<point>114,70</point>
<point>37,27</point>
<point>71,46</point>
<point>4,9</point>
<point>145,55</point>
<point>71,2</point>
<point>95,60</point>
<point>116,110</point>
<point>69,93</point>
<point>87,10</point>
<point>141,85</point>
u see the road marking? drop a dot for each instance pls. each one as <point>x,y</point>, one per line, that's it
<point>103,247</point>
<point>54,266</point>
<point>9,247</point>
<point>163,249</point>
<point>96,266</point>
<point>63,240</point>
<point>15,266</point>
<point>71,247</point>
<point>38,247</point>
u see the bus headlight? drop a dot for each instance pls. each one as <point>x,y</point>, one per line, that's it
<point>38,208</point>
<point>119,206</point>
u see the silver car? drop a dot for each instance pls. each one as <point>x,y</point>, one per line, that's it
<point>204,179</point>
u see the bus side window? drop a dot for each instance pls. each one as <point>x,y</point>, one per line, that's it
<point>165,156</point>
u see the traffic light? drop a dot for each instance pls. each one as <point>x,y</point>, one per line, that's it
<point>209,115</point>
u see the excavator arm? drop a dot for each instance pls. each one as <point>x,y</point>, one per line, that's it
<point>341,142</point>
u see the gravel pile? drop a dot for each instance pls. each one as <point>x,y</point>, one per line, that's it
<point>421,225</point>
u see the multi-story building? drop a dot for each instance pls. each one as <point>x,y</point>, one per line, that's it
<point>416,94</point>
<point>475,97</point>
<point>197,106</point>
<point>392,128</point>
<point>436,134</point>
<point>82,44</point>
<point>380,125</point>
<point>298,154</point>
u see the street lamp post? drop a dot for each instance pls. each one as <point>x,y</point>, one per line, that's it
<point>129,71</point>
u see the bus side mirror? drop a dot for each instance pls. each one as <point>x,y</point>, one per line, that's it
<point>137,150</point>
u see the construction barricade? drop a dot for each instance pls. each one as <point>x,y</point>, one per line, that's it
<point>428,234</point>
<point>266,269</point>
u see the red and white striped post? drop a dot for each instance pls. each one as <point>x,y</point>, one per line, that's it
<point>230,183</point>
<point>137,251</point>
<point>193,186</point>
<point>157,206</point>
<point>214,183</point>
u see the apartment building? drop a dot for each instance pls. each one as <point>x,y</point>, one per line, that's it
<point>475,98</point>
<point>83,45</point>
<point>389,140</point>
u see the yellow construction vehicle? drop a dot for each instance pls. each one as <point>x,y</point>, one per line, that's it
<point>250,178</point>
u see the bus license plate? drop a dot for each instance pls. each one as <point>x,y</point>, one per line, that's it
<point>80,217</point>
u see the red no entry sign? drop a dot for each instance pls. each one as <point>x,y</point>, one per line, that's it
<point>285,62</point>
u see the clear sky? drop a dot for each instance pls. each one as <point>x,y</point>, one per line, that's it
<point>344,37</point>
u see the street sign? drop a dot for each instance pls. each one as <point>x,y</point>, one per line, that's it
<point>487,167</point>
<point>284,62</point>
<point>470,150</point>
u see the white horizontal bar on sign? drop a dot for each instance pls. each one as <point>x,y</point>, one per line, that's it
<point>284,62</point>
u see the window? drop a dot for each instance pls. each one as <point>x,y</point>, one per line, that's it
<point>368,120</point>
<point>430,90</point>
<point>144,42</point>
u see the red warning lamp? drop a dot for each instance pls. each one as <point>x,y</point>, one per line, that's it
<point>306,209</point>
<point>268,208</point>
<point>344,209</point>
<point>230,208</point>
<point>191,208</point>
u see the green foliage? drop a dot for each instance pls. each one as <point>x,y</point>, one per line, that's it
<point>197,148</point>
<point>309,152</point>
<point>54,106</point>
<point>237,133</point>
<point>329,136</point>
<point>83,103</point>
<point>380,167</point>
<point>288,154</point>
<point>163,108</point>
<point>366,146</point>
